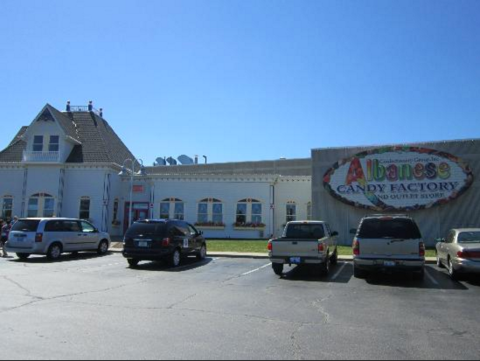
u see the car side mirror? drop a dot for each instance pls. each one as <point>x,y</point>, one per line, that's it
<point>353,231</point>
<point>335,234</point>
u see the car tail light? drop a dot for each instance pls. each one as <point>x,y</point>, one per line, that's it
<point>39,238</point>
<point>461,254</point>
<point>321,247</point>
<point>356,248</point>
<point>270,246</point>
<point>166,242</point>
<point>422,249</point>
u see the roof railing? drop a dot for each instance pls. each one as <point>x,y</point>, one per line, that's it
<point>84,108</point>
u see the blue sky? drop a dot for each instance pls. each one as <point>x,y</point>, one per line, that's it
<point>250,79</point>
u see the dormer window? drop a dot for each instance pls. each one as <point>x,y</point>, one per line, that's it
<point>54,145</point>
<point>38,143</point>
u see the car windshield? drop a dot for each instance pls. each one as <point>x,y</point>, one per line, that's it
<point>469,237</point>
<point>304,231</point>
<point>147,229</point>
<point>389,229</point>
<point>26,225</point>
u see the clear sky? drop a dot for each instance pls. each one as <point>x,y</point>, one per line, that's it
<point>250,79</point>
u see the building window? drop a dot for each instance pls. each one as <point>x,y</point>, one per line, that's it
<point>33,207</point>
<point>54,145</point>
<point>115,211</point>
<point>172,208</point>
<point>202,213</point>
<point>38,143</point>
<point>85,208</point>
<point>7,207</point>
<point>249,213</point>
<point>309,211</point>
<point>41,205</point>
<point>291,212</point>
<point>210,212</point>
<point>241,213</point>
<point>165,210</point>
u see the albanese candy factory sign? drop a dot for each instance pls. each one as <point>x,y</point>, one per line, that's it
<point>399,179</point>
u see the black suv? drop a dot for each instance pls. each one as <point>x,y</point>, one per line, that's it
<point>163,240</point>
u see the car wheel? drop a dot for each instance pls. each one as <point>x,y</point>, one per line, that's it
<point>23,256</point>
<point>54,252</point>
<point>358,273</point>
<point>103,248</point>
<point>439,262</point>
<point>277,268</point>
<point>133,263</point>
<point>334,259</point>
<point>175,259</point>
<point>325,268</point>
<point>451,271</point>
<point>203,253</point>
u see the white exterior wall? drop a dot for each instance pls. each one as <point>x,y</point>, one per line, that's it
<point>288,189</point>
<point>11,184</point>
<point>47,129</point>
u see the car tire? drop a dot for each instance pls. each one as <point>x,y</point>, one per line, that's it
<point>23,256</point>
<point>439,262</point>
<point>325,267</point>
<point>55,252</point>
<point>102,248</point>
<point>202,254</point>
<point>175,259</point>
<point>358,273</point>
<point>334,258</point>
<point>454,275</point>
<point>133,263</point>
<point>278,268</point>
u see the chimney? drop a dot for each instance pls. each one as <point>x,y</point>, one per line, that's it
<point>206,159</point>
<point>90,106</point>
<point>196,159</point>
<point>69,108</point>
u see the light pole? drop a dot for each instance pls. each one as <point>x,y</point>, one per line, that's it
<point>125,172</point>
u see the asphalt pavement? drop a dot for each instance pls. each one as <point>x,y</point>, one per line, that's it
<point>91,307</point>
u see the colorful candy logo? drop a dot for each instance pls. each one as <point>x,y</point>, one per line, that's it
<point>399,179</point>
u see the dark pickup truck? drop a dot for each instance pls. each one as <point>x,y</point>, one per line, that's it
<point>309,243</point>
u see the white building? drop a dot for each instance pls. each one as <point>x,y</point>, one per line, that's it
<point>66,164</point>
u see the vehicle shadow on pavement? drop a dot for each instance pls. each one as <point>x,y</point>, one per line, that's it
<point>187,264</point>
<point>434,280</point>
<point>64,258</point>
<point>311,274</point>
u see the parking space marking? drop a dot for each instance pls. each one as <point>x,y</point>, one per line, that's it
<point>431,278</point>
<point>255,270</point>
<point>339,272</point>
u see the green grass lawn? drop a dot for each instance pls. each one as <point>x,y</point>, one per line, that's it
<point>261,247</point>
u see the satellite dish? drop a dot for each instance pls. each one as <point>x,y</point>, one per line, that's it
<point>185,160</point>
<point>172,161</point>
<point>161,162</point>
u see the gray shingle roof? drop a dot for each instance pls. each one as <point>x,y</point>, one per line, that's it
<point>99,142</point>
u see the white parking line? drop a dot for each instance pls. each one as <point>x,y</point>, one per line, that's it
<point>430,277</point>
<point>256,270</point>
<point>339,271</point>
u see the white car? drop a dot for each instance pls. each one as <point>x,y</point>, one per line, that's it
<point>54,236</point>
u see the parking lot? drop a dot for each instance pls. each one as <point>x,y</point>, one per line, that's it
<point>96,307</point>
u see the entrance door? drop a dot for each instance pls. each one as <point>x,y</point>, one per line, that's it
<point>140,212</point>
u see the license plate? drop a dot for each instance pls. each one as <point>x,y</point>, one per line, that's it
<point>143,244</point>
<point>295,260</point>
<point>389,264</point>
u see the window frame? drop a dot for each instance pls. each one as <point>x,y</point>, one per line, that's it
<point>82,211</point>
<point>4,210</point>
<point>56,145</point>
<point>36,144</point>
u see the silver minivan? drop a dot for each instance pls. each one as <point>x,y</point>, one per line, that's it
<point>54,236</point>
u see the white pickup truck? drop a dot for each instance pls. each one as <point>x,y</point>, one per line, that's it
<point>304,243</point>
